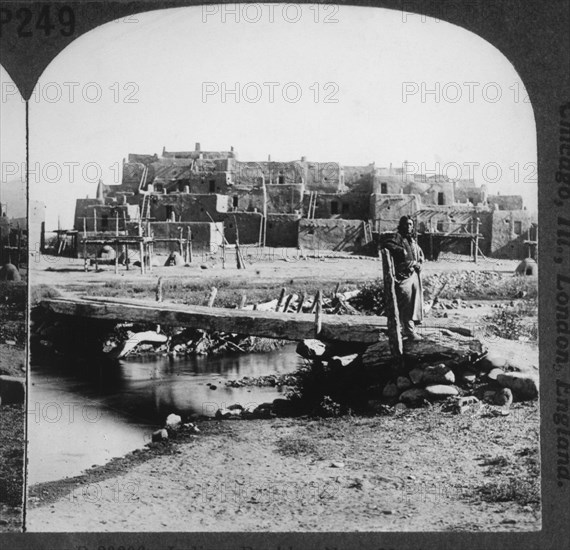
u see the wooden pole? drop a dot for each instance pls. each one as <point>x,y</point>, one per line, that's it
<point>84,254</point>
<point>264,212</point>
<point>314,305</point>
<point>116,257</point>
<point>287,302</point>
<point>188,245</point>
<point>180,242</point>
<point>141,252</point>
<point>301,302</point>
<point>391,306</point>
<point>280,300</point>
<point>476,239</point>
<point>213,294</point>
<point>471,240</point>
<point>319,314</point>
<point>159,292</point>
<point>19,246</point>
<point>242,301</point>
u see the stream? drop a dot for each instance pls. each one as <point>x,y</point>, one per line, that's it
<point>84,414</point>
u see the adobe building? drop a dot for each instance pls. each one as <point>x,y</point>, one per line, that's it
<point>213,196</point>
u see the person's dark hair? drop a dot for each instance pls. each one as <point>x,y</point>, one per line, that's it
<point>403,225</point>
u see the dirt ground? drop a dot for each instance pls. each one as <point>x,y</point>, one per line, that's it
<point>12,417</point>
<point>413,470</point>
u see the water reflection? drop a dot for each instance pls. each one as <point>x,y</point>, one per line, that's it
<point>82,414</point>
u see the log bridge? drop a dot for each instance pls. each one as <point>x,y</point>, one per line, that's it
<point>268,324</point>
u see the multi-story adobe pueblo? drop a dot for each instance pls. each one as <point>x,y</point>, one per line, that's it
<point>313,205</point>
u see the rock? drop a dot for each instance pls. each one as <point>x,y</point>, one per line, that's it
<point>416,376</point>
<point>400,407</point>
<point>262,412</point>
<point>342,361</point>
<point>441,391</point>
<point>489,396</point>
<point>283,407</point>
<point>524,385</point>
<point>337,464</point>
<point>494,374</point>
<point>192,427</point>
<point>438,374</point>
<point>390,390</point>
<point>311,349</point>
<point>203,266</point>
<point>160,435</point>
<point>504,397</point>
<point>493,360</point>
<point>403,383</point>
<point>249,411</point>
<point>12,389</point>
<point>222,414</point>
<point>468,377</point>
<point>173,421</point>
<point>413,396</point>
<point>235,406</point>
<point>463,404</point>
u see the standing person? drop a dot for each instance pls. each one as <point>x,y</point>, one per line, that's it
<point>408,257</point>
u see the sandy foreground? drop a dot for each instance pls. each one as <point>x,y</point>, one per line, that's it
<point>414,470</point>
<point>418,470</point>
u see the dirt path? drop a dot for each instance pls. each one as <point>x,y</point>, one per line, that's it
<point>419,470</point>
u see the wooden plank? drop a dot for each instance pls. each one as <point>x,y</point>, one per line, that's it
<point>269,324</point>
<point>292,326</point>
<point>391,304</point>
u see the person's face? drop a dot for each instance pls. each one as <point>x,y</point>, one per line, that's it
<point>409,227</point>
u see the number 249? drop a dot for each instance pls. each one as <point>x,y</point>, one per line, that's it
<point>44,22</point>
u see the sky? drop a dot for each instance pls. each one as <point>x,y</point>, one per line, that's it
<point>12,148</point>
<point>345,84</point>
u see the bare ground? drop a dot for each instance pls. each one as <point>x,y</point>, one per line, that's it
<point>415,470</point>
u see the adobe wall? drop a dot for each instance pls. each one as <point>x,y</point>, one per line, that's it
<point>506,241</point>
<point>94,210</point>
<point>282,230</point>
<point>506,202</point>
<point>250,174</point>
<point>352,205</point>
<point>386,210</point>
<point>248,224</point>
<point>335,234</point>
<point>432,195</point>
<point>188,208</point>
<point>281,199</point>
<point>387,184</point>
<point>440,220</point>
<point>358,175</point>
<point>204,235</point>
<point>466,192</point>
